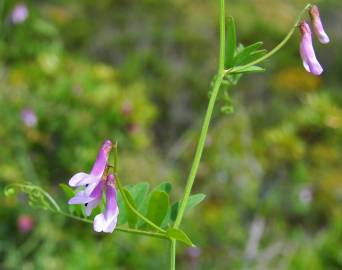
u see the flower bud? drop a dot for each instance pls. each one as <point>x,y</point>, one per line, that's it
<point>318,26</point>
<point>307,52</point>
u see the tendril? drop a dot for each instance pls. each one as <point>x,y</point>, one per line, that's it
<point>37,197</point>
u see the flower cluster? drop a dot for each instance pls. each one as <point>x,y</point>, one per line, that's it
<point>307,51</point>
<point>94,184</point>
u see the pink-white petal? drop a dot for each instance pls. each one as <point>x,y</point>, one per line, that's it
<point>81,179</point>
<point>306,66</point>
<point>99,223</point>
<point>105,224</point>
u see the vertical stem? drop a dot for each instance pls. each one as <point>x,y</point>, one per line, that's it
<point>172,254</point>
<point>207,118</point>
<point>2,19</point>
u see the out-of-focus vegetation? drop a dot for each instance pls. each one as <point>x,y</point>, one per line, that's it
<point>76,72</point>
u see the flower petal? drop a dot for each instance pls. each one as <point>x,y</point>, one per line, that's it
<point>106,221</point>
<point>81,179</point>
<point>103,224</point>
<point>110,226</point>
<point>101,159</point>
<point>96,194</point>
<point>111,204</point>
<point>91,205</point>
<point>80,198</point>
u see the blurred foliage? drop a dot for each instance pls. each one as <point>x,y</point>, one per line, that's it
<point>139,72</point>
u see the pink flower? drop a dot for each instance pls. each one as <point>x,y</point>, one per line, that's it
<point>25,223</point>
<point>91,180</point>
<point>19,13</point>
<point>307,52</point>
<point>318,26</point>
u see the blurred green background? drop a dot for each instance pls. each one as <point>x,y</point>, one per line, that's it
<point>76,72</point>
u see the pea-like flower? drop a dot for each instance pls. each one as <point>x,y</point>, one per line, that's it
<point>318,26</point>
<point>95,184</point>
<point>92,181</point>
<point>307,51</point>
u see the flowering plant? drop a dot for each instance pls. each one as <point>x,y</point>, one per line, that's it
<point>135,209</point>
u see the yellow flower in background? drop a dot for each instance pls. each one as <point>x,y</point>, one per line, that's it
<point>49,62</point>
<point>295,79</point>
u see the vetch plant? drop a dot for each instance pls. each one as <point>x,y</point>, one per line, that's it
<point>100,198</point>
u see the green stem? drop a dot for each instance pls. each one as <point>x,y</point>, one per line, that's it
<point>207,118</point>
<point>2,17</point>
<point>57,209</point>
<point>135,211</point>
<point>172,254</point>
<point>276,48</point>
<point>121,229</point>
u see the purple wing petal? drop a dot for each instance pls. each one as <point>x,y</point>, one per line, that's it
<point>96,194</point>
<point>80,198</point>
<point>91,205</point>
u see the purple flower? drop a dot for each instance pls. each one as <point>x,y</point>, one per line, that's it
<point>317,25</point>
<point>29,117</point>
<point>307,52</point>
<point>19,13</point>
<point>95,184</point>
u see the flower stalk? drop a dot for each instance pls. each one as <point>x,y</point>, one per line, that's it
<point>207,119</point>
<point>204,132</point>
<point>276,48</point>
